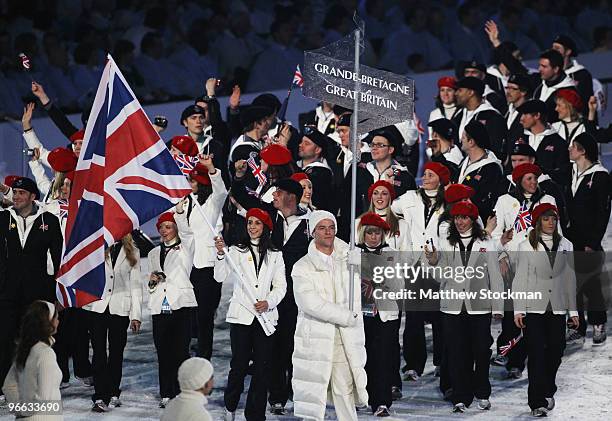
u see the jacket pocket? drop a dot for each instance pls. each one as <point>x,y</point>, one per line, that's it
<point>127,305</point>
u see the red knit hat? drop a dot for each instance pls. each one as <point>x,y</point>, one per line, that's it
<point>447,81</point>
<point>441,171</point>
<point>165,217</point>
<point>9,179</point>
<point>464,208</point>
<point>62,160</point>
<point>200,174</point>
<point>78,135</point>
<point>374,219</point>
<point>276,154</point>
<point>262,215</point>
<point>299,176</point>
<point>523,169</point>
<point>381,183</point>
<point>457,192</point>
<point>571,96</point>
<point>541,209</point>
<point>185,144</point>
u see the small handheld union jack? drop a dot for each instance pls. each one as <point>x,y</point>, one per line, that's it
<point>297,77</point>
<point>257,172</point>
<point>504,349</point>
<point>523,219</point>
<point>186,163</point>
<point>63,208</point>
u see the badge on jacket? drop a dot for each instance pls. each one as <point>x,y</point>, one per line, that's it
<point>13,226</point>
<point>550,148</point>
<point>482,249</point>
<point>44,227</point>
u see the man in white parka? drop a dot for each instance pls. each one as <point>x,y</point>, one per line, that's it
<point>329,355</point>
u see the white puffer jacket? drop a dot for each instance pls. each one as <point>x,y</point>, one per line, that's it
<point>319,316</point>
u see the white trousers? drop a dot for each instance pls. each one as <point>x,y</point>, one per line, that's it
<point>341,383</point>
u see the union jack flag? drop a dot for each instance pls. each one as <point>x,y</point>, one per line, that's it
<point>63,208</point>
<point>257,172</point>
<point>186,163</point>
<point>297,77</point>
<point>125,176</point>
<point>504,349</point>
<point>523,219</point>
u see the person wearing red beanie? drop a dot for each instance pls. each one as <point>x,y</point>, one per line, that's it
<point>514,222</point>
<point>546,266</point>
<point>208,194</point>
<point>467,321</point>
<point>422,209</point>
<point>446,107</point>
<point>171,297</point>
<point>262,274</point>
<point>306,199</point>
<point>569,108</point>
<point>381,325</point>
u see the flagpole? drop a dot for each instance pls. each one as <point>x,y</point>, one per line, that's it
<point>354,139</point>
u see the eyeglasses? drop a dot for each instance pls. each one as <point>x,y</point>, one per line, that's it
<point>378,145</point>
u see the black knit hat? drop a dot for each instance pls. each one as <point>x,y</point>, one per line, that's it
<point>477,131</point>
<point>472,83</point>
<point>267,100</point>
<point>589,144</point>
<point>567,43</point>
<point>521,148</point>
<point>27,184</point>
<point>191,110</point>
<point>445,128</point>
<point>533,106</point>
<point>290,186</point>
<point>253,113</point>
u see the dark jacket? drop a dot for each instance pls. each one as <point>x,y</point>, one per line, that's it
<point>25,277</point>
<point>589,208</point>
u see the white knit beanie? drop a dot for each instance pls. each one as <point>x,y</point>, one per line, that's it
<point>317,216</point>
<point>194,373</point>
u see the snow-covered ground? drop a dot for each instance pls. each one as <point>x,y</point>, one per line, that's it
<point>584,383</point>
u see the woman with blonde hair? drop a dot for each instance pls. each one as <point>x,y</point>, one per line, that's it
<point>109,318</point>
<point>35,376</point>
<point>571,123</point>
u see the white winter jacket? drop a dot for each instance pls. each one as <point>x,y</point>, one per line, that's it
<point>123,289</point>
<point>205,251</point>
<point>270,286</point>
<point>177,267</point>
<point>319,316</point>
<point>412,207</point>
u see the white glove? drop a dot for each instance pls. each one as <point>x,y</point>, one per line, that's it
<point>353,320</point>
<point>354,257</point>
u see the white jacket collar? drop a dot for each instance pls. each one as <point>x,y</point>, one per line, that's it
<point>574,68</point>
<point>194,395</point>
<point>466,169</point>
<point>338,255</point>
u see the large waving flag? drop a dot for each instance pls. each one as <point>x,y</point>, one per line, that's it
<point>125,176</point>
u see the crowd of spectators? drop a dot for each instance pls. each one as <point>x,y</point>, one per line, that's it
<point>165,49</point>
